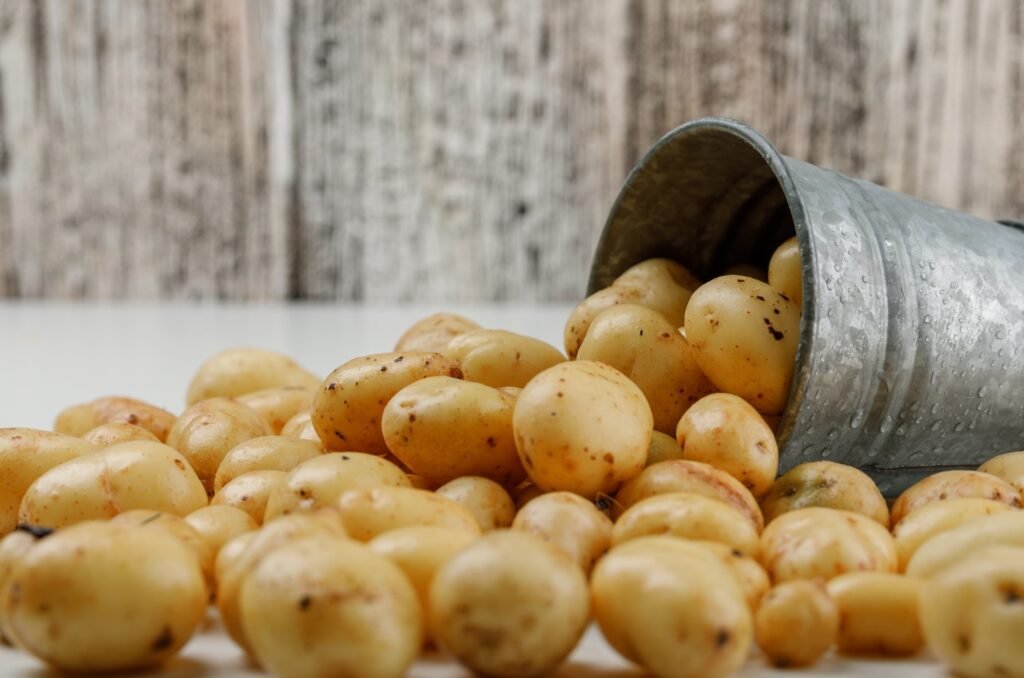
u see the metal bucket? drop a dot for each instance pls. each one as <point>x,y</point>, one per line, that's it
<point>911,356</point>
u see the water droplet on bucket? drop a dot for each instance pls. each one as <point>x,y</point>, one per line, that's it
<point>826,452</point>
<point>857,420</point>
<point>886,424</point>
<point>833,433</point>
<point>935,408</point>
<point>1000,334</point>
<point>960,426</point>
<point>982,391</point>
<point>936,425</point>
<point>931,265</point>
<point>807,451</point>
<point>927,320</point>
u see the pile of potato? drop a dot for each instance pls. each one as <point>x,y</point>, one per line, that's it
<point>474,491</point>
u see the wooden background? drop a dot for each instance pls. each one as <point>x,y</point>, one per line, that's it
<point>463,150</point>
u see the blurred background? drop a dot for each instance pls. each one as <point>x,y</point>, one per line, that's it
<point>447,150</point>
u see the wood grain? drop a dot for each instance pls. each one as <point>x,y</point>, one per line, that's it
<point>450,149</point>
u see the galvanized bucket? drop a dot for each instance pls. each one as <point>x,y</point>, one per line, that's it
<point>911,356</point>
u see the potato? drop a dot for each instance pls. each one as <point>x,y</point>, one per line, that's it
<point>231,554</point>
<point>828,485</point>
<point>525,493</point>
<point>950,485</point>
<point>331,607</point>
<point>725,431</point>
<point>937,517</point>
<point>947,548</point>
<point>278,405</point>
<point>509,605</point>
<point>821,543</point>
<point>348,407</point>
<point>433,333</point>
<point>486,500</point>
<point>301,426</point>
<point>320,481</point>
<point>744,335</point>
<point>103,597</point>
<point>582,427</point>
<point>238,371</point>
<point>500,358</point>
<point>250,492</point>
<point>661,285</point>
<point>689,516</point>
<point>13,548</point>
<point>209,429</point>
<point>688,476</point>
<point>80,419</point>
<point>106,435</point>
<point>26,454</point>
<point>746,570</point>
<point>878,612</point>
<point>785,272</point>
<point>133,475</point>
<point>972,614</point>
<point>273,453</point>
<point>663,447</point>
<point>217,525</point>
<point>369,511</point>
<point>645,347</point>
<point>178,528</point>
<point>671,623</point>
<point>570,523</point>
<point>796,623</point>
<point>1009,467</point>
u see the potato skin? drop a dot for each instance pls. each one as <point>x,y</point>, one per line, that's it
<point>689,516</point>
<point>785,272</point>
<point>217,525</point>
<point>828,485</point>
<point>433,333</point>
<point>951,484</point>
<point>278,405</point>
<point>177,527</point>
<point>370,511</point>
<point>570,523</point>
<point>878,612</point>
<point>938,517</point>
<point>500,359</point>
<point>582,427</point>
<point>486,500</point>
<point>78,420</point>
<point>947,548</point>
<point>796,623</point>
<point>238,371</point>
<point>106,435</point>
<point>250,492</point>
<point>13,548</point>
<point>1009,467</point>
<point>274,453</point>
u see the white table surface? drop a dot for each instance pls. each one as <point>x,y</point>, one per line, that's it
<point>54,355</point>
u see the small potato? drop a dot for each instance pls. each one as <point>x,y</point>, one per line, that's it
<point>950,485</point>
<point>744,335</point>
<point>331,607</point>
<point>278,405</point>
<point>486,500</point>
<point>13,548</point>
<point>582,427</point>
<point>688,476</point>
<point>725,431</point>
<point>937,517</point>
<point>570,523</point>
<point>878,613</point>
<point>433,333</point>
<point>796,623</point>
<point>509,605</point>
<point>821,543</point>
<point>273,453</point>
<point>1009,467</point>
<point>320,481</point>
<point>134,475</point>
<point>231,553</point>
<point>348,407</point>
<point>525,493</point>
<point>785,272</point>
<point>645,347</point>
<point>238,371</point>
<point>80,419</point>
<point>26,454</point>
<point>106,435</point>
<point>972,614</point>
<point>369,511</point>
<point>670,606</point>
<point>690,516</point>
<point>300,426</point>
<point>104,597</point>
<point>178,528</point>
<point>947,548</point>
<point>748,573</point>
<point>217,525</point>
<point>828,485</point>
<point>663,447</point>
<point>498,358</point>
<point>250,492</point>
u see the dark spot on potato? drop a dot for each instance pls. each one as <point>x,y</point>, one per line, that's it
<point>163,641</point>
<point>775,311</point>
<point>331,386</point>
<point>942,495</point>
<point>736,553</point>
<point>490,441</point>
<point>666,335</point>
<point>180,464</point>
<point>964,641</point>
<point>305,601</point>
<point>608,458</point>
<point>641,333</point>
<point>784,296</point>
<point>1010,593</point>
<point>37,531</point>
<point>383,368</point>
<point>761,447</point>
<point>778,336</point>
<point>303,492</point>
<point>560,394</point>
<point>722,638</point>
<point>455,373</point>
<point>399,358</point>
<point>412,417</point>
<point>133,418</point>
<point>340,435</point>
<point>759,297</point>
<point>528,461</point>
<point>741,280</point>
<point>152,518</point>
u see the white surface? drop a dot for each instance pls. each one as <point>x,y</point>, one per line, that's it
<point>52,356</point>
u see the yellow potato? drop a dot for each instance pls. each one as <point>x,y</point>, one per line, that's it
<point>104,597</point>
<point>670,606</point>
<point>217,525</point>
<point>950,485</point>
<point>689,516</point>
<point>231,554</point>
<point>433,333</point>
<point>106,435</point>
<point>509,604</point>
<point>796,623</point>
<point>947,548</point>
<point>348,407</point>
<point>725,431</point>
<point>785,272</point>
<point>486,500</point>
<point>320,481</point>
<point>300,426</point>
<point>369,511</point>
<point>80,419</point>
<point>570,523</point>
<point>278,405</point>
<point>250,492</point>
<point>582,427</point>
<point>972,614</point>
<point>1009,467</point>
<point>663,447</point>
<point>822,543</point>
<point>645,347</point>
<point>178,528</point>
<point>937,517</point>
<point>133,475</point>
<point>238,371</point>
<point>13,548</point>
<point>266,453</point>
<point>498,358</point>
<point>878,612</point>
<point>744,335</point>
<point>25,455</point>
<point>746,570</point>
<point>828,485</point>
